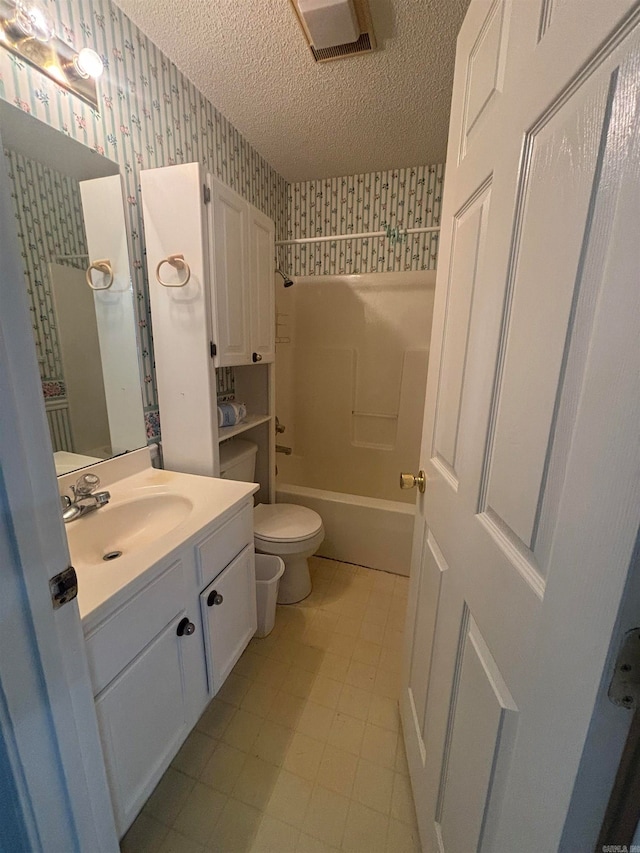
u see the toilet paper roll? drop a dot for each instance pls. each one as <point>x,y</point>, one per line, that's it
<point>230,414</point>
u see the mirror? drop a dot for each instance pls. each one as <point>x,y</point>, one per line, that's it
<point>70,220</point>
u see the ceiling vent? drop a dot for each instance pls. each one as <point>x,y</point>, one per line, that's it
<point>335,29</point>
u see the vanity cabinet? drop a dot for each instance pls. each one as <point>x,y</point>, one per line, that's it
<point>157,657</point>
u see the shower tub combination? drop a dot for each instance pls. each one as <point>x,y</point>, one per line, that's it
<point>351,357</point>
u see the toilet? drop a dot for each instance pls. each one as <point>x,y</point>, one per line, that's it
<point>287,530</point>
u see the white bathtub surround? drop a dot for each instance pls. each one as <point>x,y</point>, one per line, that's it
<point>351,377</point>
<point>365,531</point>
<point>351,382</point>
<point>301,749</point>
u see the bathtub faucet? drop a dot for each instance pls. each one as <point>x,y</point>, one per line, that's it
<point>280,448</point>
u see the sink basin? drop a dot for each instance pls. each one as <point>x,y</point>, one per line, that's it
<point>125,527</point>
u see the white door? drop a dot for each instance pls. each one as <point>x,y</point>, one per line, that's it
<point>525,533</point>
<point>54,787</point>
<point>230,266</point>
<point>263,297</point>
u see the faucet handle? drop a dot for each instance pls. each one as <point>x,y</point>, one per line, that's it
<point>86,484</point>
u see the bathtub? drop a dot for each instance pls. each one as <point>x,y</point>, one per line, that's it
<point>366,531</point>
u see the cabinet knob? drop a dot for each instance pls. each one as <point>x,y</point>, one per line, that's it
<point>185,628</point>
<point>257,357</point>
<point>214,598</point>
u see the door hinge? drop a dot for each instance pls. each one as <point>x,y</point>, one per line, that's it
<point>206,194</point>
<point>624,689</point>
<point>64,587</point>
<point>213,349</point>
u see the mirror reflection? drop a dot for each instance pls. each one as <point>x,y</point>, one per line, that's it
<point>72,235</point>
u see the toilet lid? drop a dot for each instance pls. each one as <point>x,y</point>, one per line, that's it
<point>285,522</point>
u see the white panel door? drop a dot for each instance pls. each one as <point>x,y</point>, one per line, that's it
<point>262,293</point>
<point>525,533</point>
<point>230,265</point>
<point>175,223</point>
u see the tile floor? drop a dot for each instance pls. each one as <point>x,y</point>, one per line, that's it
<point>301,749</point>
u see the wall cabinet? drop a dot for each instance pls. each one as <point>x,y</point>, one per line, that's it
<point>242,256</point>
<point>216,308</point>
<point>158,658</point>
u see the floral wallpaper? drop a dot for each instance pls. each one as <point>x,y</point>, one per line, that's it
<point>404,198</point>
<point>150,115</point>
<point>49,224</point>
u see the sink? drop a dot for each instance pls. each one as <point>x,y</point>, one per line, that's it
<point>152,516</point>
<point>125,527</point>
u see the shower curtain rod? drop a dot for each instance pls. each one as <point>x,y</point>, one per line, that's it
<point>352,236</point>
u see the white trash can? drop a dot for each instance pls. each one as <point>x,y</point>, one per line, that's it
<point>269,570</point>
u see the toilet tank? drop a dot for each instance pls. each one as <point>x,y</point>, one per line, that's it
<point>238,460</point>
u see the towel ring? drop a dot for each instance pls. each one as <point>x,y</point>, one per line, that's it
<point>179,263</point>
<point>103,266</point>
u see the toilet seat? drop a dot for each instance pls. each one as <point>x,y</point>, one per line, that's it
<point>285,523</point>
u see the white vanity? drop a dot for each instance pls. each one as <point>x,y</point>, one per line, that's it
<point>165,620</point>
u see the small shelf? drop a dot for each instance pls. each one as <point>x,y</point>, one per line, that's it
<point>248,423</point>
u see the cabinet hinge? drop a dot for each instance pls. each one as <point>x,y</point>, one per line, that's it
<point>206,194</point>
<point>64,587</point>
<point>212,349</point>
<point>624,689</point>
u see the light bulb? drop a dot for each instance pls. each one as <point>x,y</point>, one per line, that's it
<point>35,21</point>
<point>88,63</point>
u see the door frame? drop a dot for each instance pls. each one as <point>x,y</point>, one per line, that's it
<point>47,714</point>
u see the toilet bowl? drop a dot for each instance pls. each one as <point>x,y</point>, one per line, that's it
<point>294,533</point>
<point>285,530</point>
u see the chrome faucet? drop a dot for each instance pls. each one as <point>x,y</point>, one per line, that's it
<point>280,448</point>
<point>85,498</point>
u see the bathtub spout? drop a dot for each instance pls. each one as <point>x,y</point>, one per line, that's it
<point>280,448</point>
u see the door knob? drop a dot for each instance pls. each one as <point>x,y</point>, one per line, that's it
<point>257,357</point>
<point>185,628</point>
<point>214,598</point>
<point>409,481</point>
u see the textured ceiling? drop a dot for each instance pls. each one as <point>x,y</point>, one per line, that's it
<point>384,110</point>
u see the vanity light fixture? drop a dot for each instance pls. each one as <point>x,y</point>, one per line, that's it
<point>27,30</point>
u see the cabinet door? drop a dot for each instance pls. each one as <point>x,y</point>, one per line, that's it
<point>144,717</point>
<point>230,275</point>
<point>263,302</point>
<point>229,620</point>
